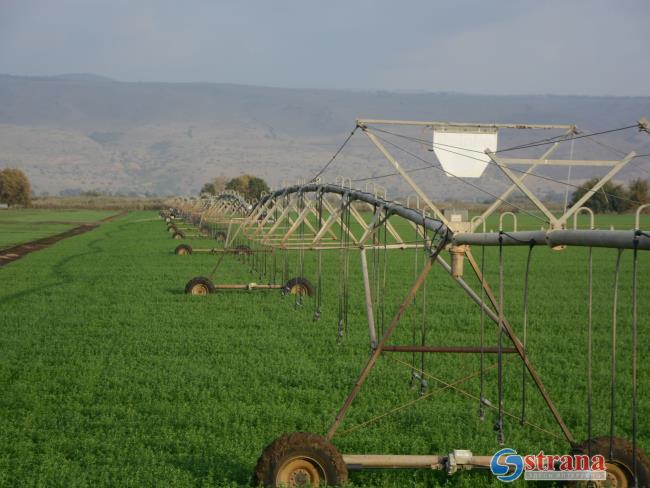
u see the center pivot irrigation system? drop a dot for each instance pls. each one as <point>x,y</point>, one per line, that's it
<point>222,217</point>
<point>212,216</point>
<point>318,217</point>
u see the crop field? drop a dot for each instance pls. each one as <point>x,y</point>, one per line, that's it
<point>18,226</point>
<point>112,376</point>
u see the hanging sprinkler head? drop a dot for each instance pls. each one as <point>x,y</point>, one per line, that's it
<point>339,334</point>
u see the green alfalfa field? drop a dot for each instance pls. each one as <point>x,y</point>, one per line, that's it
<point>18,226</point>
<point>112,376</point>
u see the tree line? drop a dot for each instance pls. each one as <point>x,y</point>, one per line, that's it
<point>614,197</point>
<point>611,197</point>
<point>15,188</point>
<point>249,186</point>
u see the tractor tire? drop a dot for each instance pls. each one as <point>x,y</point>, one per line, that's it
<point>298,286</point>
<point>620,467</point>
<point>178,235</point>
<point>171,228</point>
<point>220,236</point>
<point>243,250</point>
<point>183,249</point>
<point>300,459</point>
<point>199,286</point>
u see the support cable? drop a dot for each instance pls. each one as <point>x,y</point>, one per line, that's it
<point>481,401</point>
<point>499,425</point>
<point>572,138</point>
<point>428,142</point>
<point>612,411</point>
<point>319,269</point>
<point>525,334</point>
<point>474,397</point>
<point>540,142</point>
<point>301,253</point>
<point>414,374</point>
<point>590,348</point>
<point>447,386</point>
<point>385,273</point>
<point>635,261</point>
<point>346,296</point>
<point>338,151</point>
<point>423,331</point>
<point>568,180</point>
<point>438,168</point>
<point>623,153</point>
<point>342,275</point>
<point>463,180</point>
<point>376,270</point>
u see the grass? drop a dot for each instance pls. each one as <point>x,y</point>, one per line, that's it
<point>98,202</point>
<point>18,226</point>
<point>111,376</point>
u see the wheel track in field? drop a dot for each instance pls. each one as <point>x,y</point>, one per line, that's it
<point>60,267</point>
<point>14,253</point>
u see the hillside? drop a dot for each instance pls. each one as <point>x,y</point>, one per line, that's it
<point>88,132</point>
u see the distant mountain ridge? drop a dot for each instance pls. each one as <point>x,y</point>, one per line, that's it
<point>82,77</point>
<point>90,132</point>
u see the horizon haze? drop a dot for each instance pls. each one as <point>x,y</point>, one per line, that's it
<point>81,132</point>
<point>156,96</point>
<point>500,48</point>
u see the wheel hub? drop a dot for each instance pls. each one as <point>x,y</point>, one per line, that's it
<point>297,290</point>
<point>299,472</point>
<point>616,477</point>
<point>300,477</point>
<point>199,290</point>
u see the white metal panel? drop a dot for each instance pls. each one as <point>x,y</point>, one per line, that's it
<point>462,153</point>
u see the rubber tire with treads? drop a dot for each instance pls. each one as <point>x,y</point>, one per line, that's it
<point>303,282</point>
<point>178,235</point>
<point>622,456</point>
<point>197,282</point>
<point>300,445</point>
<point>183,249</point>
<point>243,250</point>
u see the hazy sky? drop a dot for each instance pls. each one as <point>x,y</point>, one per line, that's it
<point>502,47</point>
